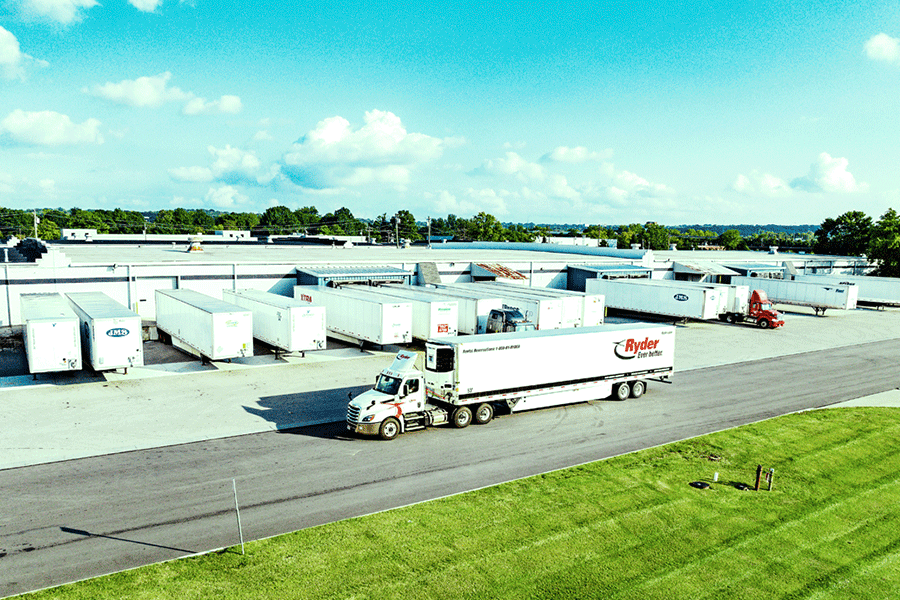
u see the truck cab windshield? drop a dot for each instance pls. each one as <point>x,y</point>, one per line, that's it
<point>387,385</point>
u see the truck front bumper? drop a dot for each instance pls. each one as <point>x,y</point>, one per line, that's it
<point>364,428</point>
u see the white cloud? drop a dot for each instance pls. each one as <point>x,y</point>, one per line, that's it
<point>12,59</point>
<point>829,174</point>
<point>513,164</point>
<point>47,128</point>
<point>381,151</point>
<point>883,47</point>
<point>143,91</point>
<point>579,154</point>
<point>145,5</point>
<point>225,197</point>
<point>59,11</point>
<point>191,174</point>
<point>262,136</point>
<point>225,104</point>
<point>230,165</point>
<point>761,183</point>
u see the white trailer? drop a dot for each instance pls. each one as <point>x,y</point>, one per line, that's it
<point>473,311</point>
<point>111,334</point>
<point>590,308</point>
<point>468,378</point>
<point>670,298</point>
<point>358,319</point>
<point>285,323</point>
<point>204,326</point>
<point>880,291</point>
<point>431,317</point>
<point>52,341</point>
<point>801,293</point>
<point>545,313</point>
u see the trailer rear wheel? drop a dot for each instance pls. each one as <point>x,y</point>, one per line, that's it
<point>730,318</point>
<point>621,391</point>
<point>763,324</point>
<point>461,417</point>
<point>483,414</point>
<point>637,389</point>
<point>390,429</point>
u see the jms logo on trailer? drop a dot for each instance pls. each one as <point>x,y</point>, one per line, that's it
<point>681,297</point>
<point>117,332</point>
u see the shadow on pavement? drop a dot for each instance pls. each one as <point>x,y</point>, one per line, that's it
<point>293,411</point>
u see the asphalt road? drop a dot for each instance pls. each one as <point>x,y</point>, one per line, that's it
<point>65,521</point>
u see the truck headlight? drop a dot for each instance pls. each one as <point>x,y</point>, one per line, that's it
<point>368,418</point>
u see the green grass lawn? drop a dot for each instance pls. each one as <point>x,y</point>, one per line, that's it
<point>628,527</point>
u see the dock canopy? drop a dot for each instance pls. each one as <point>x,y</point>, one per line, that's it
<point>699,270</point>
<point>577,274</point>
<point>324,275</point>
<point>754,270</point>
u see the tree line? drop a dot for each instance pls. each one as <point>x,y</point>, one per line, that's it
<point>851,234</point>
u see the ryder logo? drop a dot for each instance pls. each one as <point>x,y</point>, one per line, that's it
<point>632,348</point>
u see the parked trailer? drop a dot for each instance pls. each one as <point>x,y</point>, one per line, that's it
<point>468,378</point>
<point>52,341</point>
<point>545,313</point>
<point>111,334</point>
<point>431,317</point>
<point>879,291</point>
<point>679,299</point>
<point>204,326</point>
<point>286,323</point>
<point>473,311</point>
<point>591,307</point>
<point>359,319</point>
<point>800,293</point>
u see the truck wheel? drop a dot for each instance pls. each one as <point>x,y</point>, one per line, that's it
<point>461,417</point>
<point>638,388</point>
<point>763,324</point>
<point>483,414</point>
<point>390,429</point>
<point>730,318</point>
<point>621,391</point>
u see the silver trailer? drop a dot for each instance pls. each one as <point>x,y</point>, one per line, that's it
<point>285,323</point>
<point>818,296</point>
<point>111,334</point>
<point>356,318</point>
<point>590,308</point>
<point>680,299</point>
<point>204,326</point>
<point>545,313</point>
<point>880,291</point>
<point>50,332</point>
<point>431,317</point>
<point>473,311</point>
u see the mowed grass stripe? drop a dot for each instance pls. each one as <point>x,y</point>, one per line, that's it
<point>628,527</point>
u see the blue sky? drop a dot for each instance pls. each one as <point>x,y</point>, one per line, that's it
<point>602,112</point>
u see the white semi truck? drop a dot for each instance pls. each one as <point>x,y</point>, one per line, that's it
<point>818,296</point>
<point>468,378</point>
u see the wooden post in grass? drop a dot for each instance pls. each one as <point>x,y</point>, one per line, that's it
<point>238,512</point>
<point>770,476</point>
<point>758,475</point>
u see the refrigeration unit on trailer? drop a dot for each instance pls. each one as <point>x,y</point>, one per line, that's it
<point>50,332</point>
<point>431,317</point>
<point>801,293</point>
<point>285,323</point>
<point>591,307</point>
<point>545,313</point>
<point>468,378</point>
<point>473,311</point>
<point>878,291</point>
<point>358,318</point>
<point>204,326</point>
<point>111,334</point>
<point>670,298</point>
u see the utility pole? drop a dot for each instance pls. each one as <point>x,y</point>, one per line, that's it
<point>429,232</point>
<point>36,221</point>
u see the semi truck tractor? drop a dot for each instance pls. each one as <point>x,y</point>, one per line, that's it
<point>756,310</point>
<point>467,379</point>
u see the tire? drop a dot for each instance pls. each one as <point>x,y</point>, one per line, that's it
<point>390,429</point>
<point>483,414</point>
<point>638,388</point>
<point>730,319</point>
<point>763,324</point>
<point>461,417</point>
<point>723,317</point>
<point>621,391</point>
